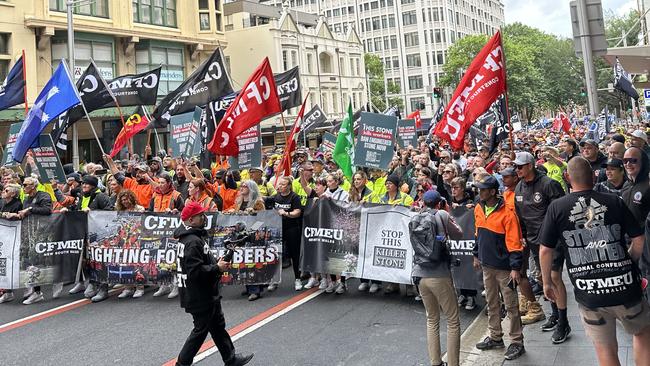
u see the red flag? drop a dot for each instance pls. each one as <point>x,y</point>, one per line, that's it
<point>285,163</point>
<point>257,99</point>
<point>134,124</point>
<point>565,123</point>
<point>416,116</point>
<point>483,82</point>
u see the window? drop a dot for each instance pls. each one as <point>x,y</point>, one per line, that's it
<point>440,36</point>
<point>413,60</point>
<point>100,51</point>
<point>393,42</point>
<point>378,43</point>
<point>395,62</point>
<point>294,58</point>
<point>384,22</point>
<point>98,8</point>
<point>439,59</point>
<point>326,105</point>
<point>326,62</point>
<point>285,60</point>
<point>411,39</point>
<point>204,15</point>
<point>391,21</point>
<point>336,12</point>
<point>375,23</point>
<point>342,66</point>
<point>415,82</point>
<point>409,18</point>
<point>155,12</point>
<point>310,61</point>
<point>149,56</point>
<point>407,2</point>
<point>417,103</point>
<point>5,58</point>
<point>386,43</point>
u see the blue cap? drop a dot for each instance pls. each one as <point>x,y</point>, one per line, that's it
<point>487,181</point>
<point>431,197</point>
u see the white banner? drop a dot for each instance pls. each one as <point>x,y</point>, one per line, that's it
<point>9,254</point>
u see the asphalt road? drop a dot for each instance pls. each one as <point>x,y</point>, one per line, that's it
<point>350,329</point>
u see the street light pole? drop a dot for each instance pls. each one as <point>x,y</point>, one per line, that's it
<point>75,132</point>
<point>587,57</point>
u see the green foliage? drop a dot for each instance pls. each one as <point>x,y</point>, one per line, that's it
<point>616,26</point>
<point>375,72</point>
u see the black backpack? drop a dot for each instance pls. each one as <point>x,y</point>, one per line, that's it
<point>428,238</point>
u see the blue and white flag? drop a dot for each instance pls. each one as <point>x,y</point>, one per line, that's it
<point>58,95</point>
<point>12,90</point>
<point>623,82</point>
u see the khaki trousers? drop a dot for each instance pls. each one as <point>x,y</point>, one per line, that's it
<point>496,280</point>
<point>439,294</point>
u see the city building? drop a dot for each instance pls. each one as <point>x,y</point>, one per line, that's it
<point>331,64</point>
<point>410,36</point>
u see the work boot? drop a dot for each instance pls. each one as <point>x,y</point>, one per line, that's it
<point>535,314</point>
<point>239,360</point>
<point>523,305</point>
<point>102,294</point>
<point>77,288</point>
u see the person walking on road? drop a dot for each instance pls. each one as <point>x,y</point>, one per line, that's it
<point>198,285</point>
<point>498,251</point>
<point>590,228</point>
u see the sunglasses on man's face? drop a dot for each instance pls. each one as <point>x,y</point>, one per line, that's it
<point>519,167</point>
<point>632,161</point>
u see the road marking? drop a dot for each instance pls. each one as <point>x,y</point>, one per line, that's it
<point>208,348</point>
<point>47,314</point>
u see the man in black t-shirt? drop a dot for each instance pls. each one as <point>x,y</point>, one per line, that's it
<point>590,228</point>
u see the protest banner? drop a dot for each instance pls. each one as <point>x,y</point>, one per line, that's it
<point>385,251</point>
<point>47,160</point>
<point>462,256</point>
<point>7,158</point>
<point>313,119</point>
<point>406,133</point>
<point>139,248</point>
<point>184,132</point>
<point>41,250</point>
<point>329,142</point>
<point>250,149</point>
<point>375,141</point>
<point>330,238</point>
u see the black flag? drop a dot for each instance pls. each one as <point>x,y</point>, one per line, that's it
<point>214,112</point>
<point>313,119</point>
<point>207,83</point>
<point>622,81</point>
<point>135,90</point>
<point>289,90</point>
<point>500,126</point>
<point>13,88</point>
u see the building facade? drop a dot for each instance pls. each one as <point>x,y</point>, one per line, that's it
<point>331,64</point>
<point>122,37</point>
<point>410,36</point>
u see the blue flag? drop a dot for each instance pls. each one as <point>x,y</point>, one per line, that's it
<point>58,95</point>
<point>12,91</point>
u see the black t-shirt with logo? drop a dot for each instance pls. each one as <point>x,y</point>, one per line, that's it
<point>288,203</point>
<point>590,227</point>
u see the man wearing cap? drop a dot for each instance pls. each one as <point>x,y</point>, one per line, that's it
<point>300,157</point>
<point>638,138</point>
<point>498,251</point>
<point>554,165</point>
<point>155,166</point>
<point>225,186</point>
<point>266,188</point>
<point>319,168</point>
<point>534,192</point>
<point>91,197</point>
<point>198,282</point>
<point>591,152</point>
<point>615,178</point>
<point>142,185</point>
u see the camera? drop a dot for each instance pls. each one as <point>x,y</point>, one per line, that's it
<point>239,237</point>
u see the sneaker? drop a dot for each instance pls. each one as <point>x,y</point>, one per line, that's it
<point>364,286</point>
<point>34,298</point>
<point>313,282</point>
<point>534,314</point>
<point>462,300</point>
<point>253,297</point>
<point>139,292</point>
<point>298,285</point>
<point>550,324</point>
<point>483,293</point>
<point>6,297</point>
<point>373,288</point>
<point>523,305</point>
<point>162,290</point>
<point>418,298</point>
<point>514,351</point>
<point>471,303</point>
<point>537,289</point>
<point>341,287</point>
<point>173,293</point>
<point>239,360</point>
<point>91,291</point>
<point>272,287</point>
<point>57,288</point>
<point>330,287</point>
<point>127,292</point>
<point>561,334</point>
<point>102,294</point>
<point>28,293</point>
<point>118,286</point>
<point>489,343</point>
<point>324,282</point>
<point>77,288</point>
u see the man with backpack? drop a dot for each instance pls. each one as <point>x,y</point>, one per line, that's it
<point>428,231</point>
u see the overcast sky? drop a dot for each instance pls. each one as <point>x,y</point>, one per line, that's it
<point>552,16</point>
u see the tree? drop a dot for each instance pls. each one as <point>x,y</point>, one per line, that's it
<point>375,72</point>
<point>616,26</point>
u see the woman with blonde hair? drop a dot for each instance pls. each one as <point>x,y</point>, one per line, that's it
<point>248,198</point>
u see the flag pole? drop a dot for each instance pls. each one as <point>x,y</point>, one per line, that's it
<point>503,52</point>
<point>25,86</point>
<point>117,104</point>
<point>101,148</point>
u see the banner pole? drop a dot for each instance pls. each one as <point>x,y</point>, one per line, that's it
<point>155,131</point>
<point>25,86</point>
<point>503,52</point>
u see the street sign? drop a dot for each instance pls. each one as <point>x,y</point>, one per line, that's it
<point>646,97</point>
<point>595,27</point>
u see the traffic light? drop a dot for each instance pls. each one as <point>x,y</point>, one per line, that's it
<point>437,93</point>
<point>583,92</point>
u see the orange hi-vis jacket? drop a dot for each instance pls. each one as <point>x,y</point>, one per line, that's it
<point>227,195</point>
<point>162,202</point>
<point>143,192</point>
<point>498,237</point>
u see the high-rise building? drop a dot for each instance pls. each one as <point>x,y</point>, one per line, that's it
<point>410,36</point>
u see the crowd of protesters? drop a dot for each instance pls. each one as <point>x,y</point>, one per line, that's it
<point>511,190</point>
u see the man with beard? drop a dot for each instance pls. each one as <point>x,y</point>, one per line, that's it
<point>181,183</point>
<point>142,185</point>
<point>155,166</point>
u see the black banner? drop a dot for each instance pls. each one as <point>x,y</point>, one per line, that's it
<point>461,251</point>
<point>135,90</point>
<point>313,119</point>
<point>288,87</point>
<point>497,116</point>
<point>208,82</point>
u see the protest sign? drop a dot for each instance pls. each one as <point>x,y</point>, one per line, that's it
<point>462,256</point>
<point>47,160</point>
<point>406,133</point>
<point>41,250</point>
<point>250,149</point>
<point>375,141</point>
<point>184,132</point>
<point>329,142</point>
<point>7,158</point>
<point>313,119</point>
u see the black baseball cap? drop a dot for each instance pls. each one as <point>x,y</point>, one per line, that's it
<point>613,162</point>
<point>487,181</point>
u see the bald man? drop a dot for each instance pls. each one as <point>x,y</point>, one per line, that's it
<point>616,151</point>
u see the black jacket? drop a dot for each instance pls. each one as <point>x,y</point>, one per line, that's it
<point>12,206</point>
<point>98,201</point>
<point>532,200</point>
<point>636,192</point>
<point>198,274</point>
<point>597,167</point>
<point>41,203</point>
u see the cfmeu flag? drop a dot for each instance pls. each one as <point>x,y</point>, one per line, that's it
<point>483,83</point>
<point>12,90</point>
<point>622,81</point>
<point>257,99</point>
<point>58,95</point>
<point>136,123</point>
